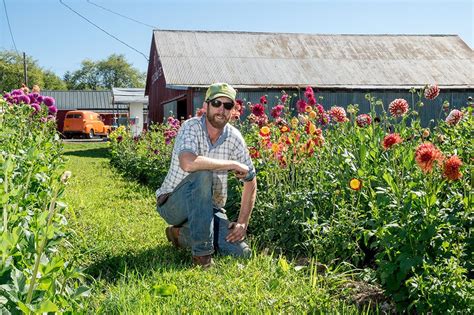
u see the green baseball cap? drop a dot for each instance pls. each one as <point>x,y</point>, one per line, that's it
<point>220,89</point>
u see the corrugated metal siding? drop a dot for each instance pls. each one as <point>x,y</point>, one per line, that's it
<point>92,100</point>
<point>430,110</point>
<point>198,58</point>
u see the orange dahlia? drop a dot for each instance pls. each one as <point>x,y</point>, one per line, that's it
<point>355,184</point>
<point>265,131</point>
<point>398,107</point>
<point>451,168</point>
<point>426,155</point>
<point>390,140</point>
<point>431,92</point>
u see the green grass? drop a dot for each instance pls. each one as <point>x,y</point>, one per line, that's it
<point>120,241</point>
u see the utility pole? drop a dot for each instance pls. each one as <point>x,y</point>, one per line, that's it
<point>25,70</point>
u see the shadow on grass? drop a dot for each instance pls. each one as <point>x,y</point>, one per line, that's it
<point>89,153</point>
<point>113,268</point>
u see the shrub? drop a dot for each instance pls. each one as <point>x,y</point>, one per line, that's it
<point>34,276</point>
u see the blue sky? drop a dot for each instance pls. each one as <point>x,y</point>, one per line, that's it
<point>59,40</point>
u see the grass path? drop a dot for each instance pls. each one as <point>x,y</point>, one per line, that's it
<point>120,241</point>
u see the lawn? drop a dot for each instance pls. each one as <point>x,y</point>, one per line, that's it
<point>120,242</point>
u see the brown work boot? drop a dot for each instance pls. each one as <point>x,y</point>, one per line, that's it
<point>203,261</point>
<point>172,234</point>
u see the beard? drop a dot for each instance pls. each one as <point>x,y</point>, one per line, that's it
<point>217,121</point>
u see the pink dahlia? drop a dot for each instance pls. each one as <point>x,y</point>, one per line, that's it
<point>363,120</point>
<point>52,110</point>
<point>338,114</point>
<point>431,92</point>
<point>258,110</point>
<point>426,155</point>
<point>454,117</point>
<point>239,106</point>
<point>48,101</point>
<point>391,140</point>
<point>398,107</point>
<point>451,168</point>
<point>277,111</point>
<point>301,106</point>
<point>311,100</point>
<point>284,97</point>
<point>263,99</point>
<point>309,92</point>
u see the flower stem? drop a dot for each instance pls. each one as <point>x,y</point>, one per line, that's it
<point>40,250</point>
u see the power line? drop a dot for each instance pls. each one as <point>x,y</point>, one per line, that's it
<point>124,16</point>
<point>100,28</point>
<point>9,27</point>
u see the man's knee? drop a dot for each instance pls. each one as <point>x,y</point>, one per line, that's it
<point>201,178</point>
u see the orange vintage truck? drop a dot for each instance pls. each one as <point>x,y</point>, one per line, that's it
<point>84,123</point>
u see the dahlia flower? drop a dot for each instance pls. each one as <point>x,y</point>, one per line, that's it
<point>454,117</point>
<point>398,107</point>
<point>426,155</point>
<point>363,120</point>
<point>254,154</point>
<point>309,92</point>
<point>258,110</point>
<point>239,105</point>
<point>263,99</point>
<point>36,107</point>
<point>52,110</point>
<point>431,92</point>
<point>277,111</point>
<point>284,97</point>
<point>48,101</point>
<point>301,106</point>
<point>24,99</point>
<point>311,100</point>
<point>451,168</point>
<point>391,140</point>
<point>338,114</point>
<point>265,131</point>
<point>355,184</point>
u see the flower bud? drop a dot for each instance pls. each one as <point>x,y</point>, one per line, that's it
<point>426,133</point>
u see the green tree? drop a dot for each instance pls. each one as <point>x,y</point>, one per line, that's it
<point>11,73</point>
<point>114,71</point>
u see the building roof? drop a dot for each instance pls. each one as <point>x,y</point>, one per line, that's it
<point>129,95</point>
<point>251,60</point>
<point>97,101</point>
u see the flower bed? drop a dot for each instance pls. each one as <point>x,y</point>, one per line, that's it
<point>34,276</point>
<point>373,189</point>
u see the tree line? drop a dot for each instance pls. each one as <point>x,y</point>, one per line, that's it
<point>113,71</point>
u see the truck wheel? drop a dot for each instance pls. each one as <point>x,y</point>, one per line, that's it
<point>91,134</point>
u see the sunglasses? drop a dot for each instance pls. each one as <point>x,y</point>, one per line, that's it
<point>217,104</point>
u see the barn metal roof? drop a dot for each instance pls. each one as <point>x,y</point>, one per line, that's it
<point>254,60</point>
<point>87,100</point>
<point>129,95</point>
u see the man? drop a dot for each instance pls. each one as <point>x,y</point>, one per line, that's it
<point>194,191</point>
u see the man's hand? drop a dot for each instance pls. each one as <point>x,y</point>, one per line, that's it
<point>237,232</point>
<point>241,170</point>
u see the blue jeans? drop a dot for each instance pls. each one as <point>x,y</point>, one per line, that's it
<point>190,207</point>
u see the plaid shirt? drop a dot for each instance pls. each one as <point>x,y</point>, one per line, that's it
<point>193,137</point>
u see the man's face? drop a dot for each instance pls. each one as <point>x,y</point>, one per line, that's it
<point>216,112</point>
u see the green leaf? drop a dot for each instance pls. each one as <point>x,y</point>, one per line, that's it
<point>47,307</point>
<point>165,289</point>
<point>82,291</point>
<point>283,264</point>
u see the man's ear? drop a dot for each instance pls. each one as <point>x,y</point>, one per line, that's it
<point>204,105</point>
